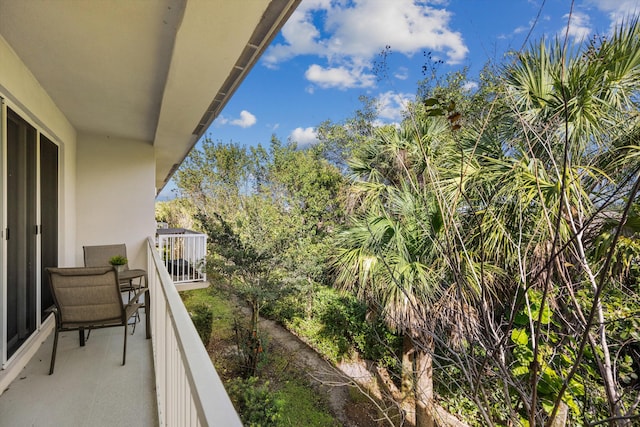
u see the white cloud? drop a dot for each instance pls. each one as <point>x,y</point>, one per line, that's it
<point>220,121</point>
<point>521,29</point>
<point>246,120</point>
<point>470,86</point>
<point>579,26</point>
<point>304,137</point>
<point>401,73</point>
<point>339,77</point>
<point>391,104</point>
<point>352,33</point>
<point>618,10</point>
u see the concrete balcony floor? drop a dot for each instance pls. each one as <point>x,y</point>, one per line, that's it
<point>89,386</point>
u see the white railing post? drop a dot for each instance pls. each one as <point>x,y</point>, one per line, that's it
<point>184,253</point>
<point>188,388</point>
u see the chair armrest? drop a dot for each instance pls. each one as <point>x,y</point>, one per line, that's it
<point>56,314</point>
<point>134,300</point>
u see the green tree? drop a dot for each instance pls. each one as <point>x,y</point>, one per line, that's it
<point>539,182</point>
<point>268,214</point>
<point>338,140</point>
<point>390,254</point>
<point>495,223</point>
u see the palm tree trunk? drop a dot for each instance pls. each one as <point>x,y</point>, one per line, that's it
<point>424,386</point>
<point>407,366</point>
<point>407,381</point>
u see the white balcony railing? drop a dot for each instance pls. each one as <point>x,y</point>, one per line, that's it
<point>183,253</point>
<point>189,391</point>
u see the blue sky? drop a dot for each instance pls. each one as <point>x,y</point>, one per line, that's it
<point>326,57</point>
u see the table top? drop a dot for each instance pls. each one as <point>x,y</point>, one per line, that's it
<point>132,274</point>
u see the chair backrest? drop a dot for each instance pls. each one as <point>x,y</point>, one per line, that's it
<point>99,256</point>
<point>86,295</point>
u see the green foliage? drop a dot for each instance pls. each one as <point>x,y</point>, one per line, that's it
<point>202,318</point>
<point>336,325</point>
<point>214,303</point>
<point>118,260</point>
<point>553,362</point>
<point>267,214</point>
<point>338,140</point>
<point>177,213</point>
<point>286,399</point>
<point>506,217</point>
<point>252,353</point>
<point>256,404</point>
<point>300,402</point>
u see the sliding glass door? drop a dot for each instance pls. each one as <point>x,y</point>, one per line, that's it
<point>32,227</point>
<point>21,232</point>
<point>48,216</point>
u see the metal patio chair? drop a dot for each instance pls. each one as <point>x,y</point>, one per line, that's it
<point>99,256</point>
<point>88,298</point>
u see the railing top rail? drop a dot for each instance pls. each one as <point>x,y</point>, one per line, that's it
<point>179,231</point>
<point>205,383</point>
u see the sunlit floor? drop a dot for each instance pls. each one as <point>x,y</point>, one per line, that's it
<point>89,386</point>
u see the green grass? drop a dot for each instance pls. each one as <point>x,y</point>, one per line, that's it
<point>311,329</point>
<point>223,310</point>
<point>302,406</point>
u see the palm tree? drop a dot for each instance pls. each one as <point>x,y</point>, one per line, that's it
<point>502,216</point>
<point>540,178</point>
<point>391,255</point>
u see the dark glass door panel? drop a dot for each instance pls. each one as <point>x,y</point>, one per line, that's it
<point>21,231</point>
<point>48,214</point>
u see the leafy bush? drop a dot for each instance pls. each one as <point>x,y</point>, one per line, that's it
<point>202,318</point>
<point>336,325</point>
<point>251,349</point>
<point>287,308</point>
<point>254,402</point>
<point>218,302</point>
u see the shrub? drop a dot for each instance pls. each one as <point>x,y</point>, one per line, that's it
<point>336,324</point>
<point>254,402</point>
<point>202,318</point>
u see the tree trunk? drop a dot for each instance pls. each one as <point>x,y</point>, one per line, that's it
<point>407,384</point>
<point>254,339</point>
<point>606,366</point>
<point>561,416</point>
<point>424,386</point>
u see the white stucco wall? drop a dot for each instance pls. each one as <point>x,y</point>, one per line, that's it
<point>115,194</point>
<point>24,95</point>
<point>106,184</point>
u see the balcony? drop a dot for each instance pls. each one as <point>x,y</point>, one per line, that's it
<point>183,253</point>
<point>168,380</point>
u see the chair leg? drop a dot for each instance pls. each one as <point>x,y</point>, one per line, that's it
<point>124,349</point>
<point>81,336</point>
<point>147,312</point>
<point>53,352</point>
<point>137,314</point>
<point>136,319</point>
